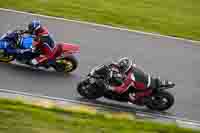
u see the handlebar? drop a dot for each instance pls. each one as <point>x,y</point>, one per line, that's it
<point>20,32</point>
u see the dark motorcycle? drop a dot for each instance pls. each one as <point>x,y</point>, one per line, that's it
<point>100,78</point>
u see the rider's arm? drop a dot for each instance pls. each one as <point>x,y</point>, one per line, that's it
<point>17,50</point>
<point>117,77</point>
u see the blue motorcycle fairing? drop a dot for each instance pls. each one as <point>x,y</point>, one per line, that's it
<point>10,45</point>
<point>4,44</point>
<point>26,42</point>
<point>7,40</point>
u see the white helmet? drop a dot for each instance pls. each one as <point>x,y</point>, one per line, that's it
<point>124,64</point>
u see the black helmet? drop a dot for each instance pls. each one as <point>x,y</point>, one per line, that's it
<point>124,64</point>
<point>34,25</point>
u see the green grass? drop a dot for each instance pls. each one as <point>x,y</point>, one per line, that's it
<point>26,118</point>
<point>170,17</point>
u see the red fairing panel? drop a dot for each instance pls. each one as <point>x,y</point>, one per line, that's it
<point>67,47</point>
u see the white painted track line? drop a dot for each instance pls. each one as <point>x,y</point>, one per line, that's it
<point>100,25</point>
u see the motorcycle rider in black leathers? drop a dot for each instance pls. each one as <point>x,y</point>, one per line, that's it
<point>143,81</point>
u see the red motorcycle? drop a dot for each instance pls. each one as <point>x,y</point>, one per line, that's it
<point>65,53</point>
<point>65,57</point>
<point>100,79</point>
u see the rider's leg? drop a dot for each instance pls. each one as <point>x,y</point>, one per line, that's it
<point>48,54</point>
<point>139,92</point>
<point>137,96</point>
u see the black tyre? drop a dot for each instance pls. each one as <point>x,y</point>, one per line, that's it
<point>161,101</point>
<point>89,91</point>
<point>6,57</point>
<point>67,64</point>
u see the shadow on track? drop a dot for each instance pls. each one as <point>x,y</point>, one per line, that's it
<point>26,70</point>
<point>123,107</point>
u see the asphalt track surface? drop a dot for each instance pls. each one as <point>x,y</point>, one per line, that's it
<point>172,59</point>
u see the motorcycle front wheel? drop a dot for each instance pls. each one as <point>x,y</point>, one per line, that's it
<point>161,101</point>
<point>89,91</point>
<point>6,57</point>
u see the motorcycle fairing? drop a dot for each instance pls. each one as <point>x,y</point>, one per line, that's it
<point>26,42</point>
<point>69,48</point>
<point>3,44</point>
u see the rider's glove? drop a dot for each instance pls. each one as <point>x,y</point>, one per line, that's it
<point>19,51</point>
<point>22,51</point>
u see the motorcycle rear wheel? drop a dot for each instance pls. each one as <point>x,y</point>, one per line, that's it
<point>67,64</point>
<point>161,101</point>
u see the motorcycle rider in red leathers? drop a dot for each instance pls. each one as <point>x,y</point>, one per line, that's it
<point>128,74</point>
<point>43,41</point>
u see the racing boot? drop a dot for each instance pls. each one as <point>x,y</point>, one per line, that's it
<point>38,61</point>
<point>132,98</point>
<point>139,98</point>
<point>135,99</point>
